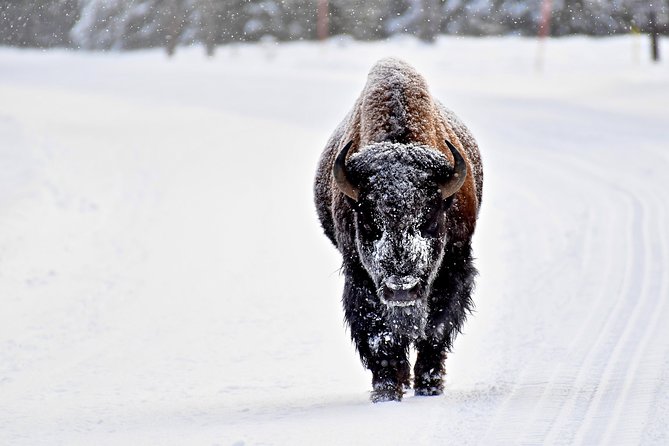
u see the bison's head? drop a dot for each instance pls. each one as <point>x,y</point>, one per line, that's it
<point>400,193</point>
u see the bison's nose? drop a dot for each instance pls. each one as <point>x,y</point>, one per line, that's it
<point>400,290</point>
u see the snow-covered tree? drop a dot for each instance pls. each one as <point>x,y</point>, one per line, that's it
<point>38,24</point>
<point>362,20</point>
<point>127,24</point>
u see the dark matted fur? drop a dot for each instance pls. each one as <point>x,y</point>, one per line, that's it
<point>401,227</point>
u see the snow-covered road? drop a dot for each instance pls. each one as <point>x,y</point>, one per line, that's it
<point>163,278</point>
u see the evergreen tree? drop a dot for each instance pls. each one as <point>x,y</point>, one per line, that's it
<point>37,24</point>
<point>128,24</point>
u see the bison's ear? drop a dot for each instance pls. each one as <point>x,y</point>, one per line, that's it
<point>341,176</point>
<point>456,179</point>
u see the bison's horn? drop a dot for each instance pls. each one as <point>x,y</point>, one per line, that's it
<point>457,179</point>
<point>341,177</point>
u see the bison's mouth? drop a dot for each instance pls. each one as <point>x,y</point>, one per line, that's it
<point>406,315</point>
<point>400,291</point>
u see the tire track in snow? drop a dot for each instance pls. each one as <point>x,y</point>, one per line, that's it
<point>613,344</point>
<point>578,356</point>
<point>562,428</point>
<point>561,394</point>
<point>622,428</point>
<point>584,379</point>
<point>510,414</point>
<point>543,398</point>
<point>614,394</point>
<point>637,325</point>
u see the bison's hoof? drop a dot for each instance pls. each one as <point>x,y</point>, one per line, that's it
<point>428,391</point>
<point>386,392</point>
<point>380,396</point>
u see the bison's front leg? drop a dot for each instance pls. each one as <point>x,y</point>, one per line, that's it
<point>450,302</point>
<point>429,369</point>
<point>382,352</point>
<point>390,369</point>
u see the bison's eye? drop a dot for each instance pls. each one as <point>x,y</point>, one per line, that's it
<point>369,228</point>
<point>432,224</point>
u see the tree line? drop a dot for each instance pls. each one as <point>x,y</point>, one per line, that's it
<point>131,24</point>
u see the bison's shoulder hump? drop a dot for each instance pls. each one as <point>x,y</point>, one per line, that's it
<point>391,72</point>
<point>396,105</point>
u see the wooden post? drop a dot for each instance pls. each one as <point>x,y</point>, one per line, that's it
<point>544,30</point>
<point>209,24</point>
<point>654,49</point>
<point>545,24</point>
<point>322,24</point>
<point>636,44</point>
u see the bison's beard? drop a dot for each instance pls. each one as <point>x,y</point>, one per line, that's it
<point>409,321</point>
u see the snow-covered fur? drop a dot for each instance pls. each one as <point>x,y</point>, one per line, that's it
<point>400,231</point>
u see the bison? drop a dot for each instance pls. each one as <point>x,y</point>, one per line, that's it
<point>398,191</point>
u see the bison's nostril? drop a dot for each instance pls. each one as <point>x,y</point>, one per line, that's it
<point>388,293</point>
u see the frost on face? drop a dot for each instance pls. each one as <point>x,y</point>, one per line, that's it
<point>399,199</point>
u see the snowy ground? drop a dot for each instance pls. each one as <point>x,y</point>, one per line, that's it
<point>163,278</point>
